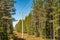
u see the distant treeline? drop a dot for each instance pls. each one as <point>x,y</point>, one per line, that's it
<point>43,20</point>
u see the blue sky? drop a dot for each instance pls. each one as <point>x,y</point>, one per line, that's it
<point>22,6</point>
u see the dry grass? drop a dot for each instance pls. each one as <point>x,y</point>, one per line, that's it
<point>28,37</point>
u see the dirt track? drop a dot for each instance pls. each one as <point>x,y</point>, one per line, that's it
<point>28,37</point>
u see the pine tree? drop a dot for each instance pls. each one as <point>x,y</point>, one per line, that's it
<point>6,6</point>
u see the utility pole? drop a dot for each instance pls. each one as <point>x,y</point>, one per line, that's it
<point>22,26</point>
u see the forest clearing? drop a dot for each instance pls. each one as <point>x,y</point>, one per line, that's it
<point>29,19</point>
